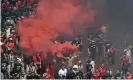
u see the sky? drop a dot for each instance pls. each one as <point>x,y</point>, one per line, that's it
<point>118,14</point>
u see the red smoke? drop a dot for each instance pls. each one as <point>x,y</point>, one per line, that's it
<point>54,19</point>
<point>59,50</point>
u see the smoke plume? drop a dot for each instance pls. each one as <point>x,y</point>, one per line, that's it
<point>54,19</point>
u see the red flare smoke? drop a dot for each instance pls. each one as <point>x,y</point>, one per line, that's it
<point>53,19</point>
<point>64,49</point>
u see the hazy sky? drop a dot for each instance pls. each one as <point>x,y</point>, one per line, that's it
<point>118,14</point>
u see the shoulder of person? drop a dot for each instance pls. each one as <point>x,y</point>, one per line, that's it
<point>91,62</point>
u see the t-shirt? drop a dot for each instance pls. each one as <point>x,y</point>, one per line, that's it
<point>100,35</point>
<point>9,22</point>
<point>37,59</point>
<point>80,67</point>
<point>101,71</point>
<point>69,74</point>
<point>92,46</point>
<point>96,75</point>
<point>10,45</point>
<point>100,43</point>
<point>80,75</point>
<point>89,68</point>
<point>18,66</point>
<point>107,45</point>
<point>62,72</point>
<point>14,37</point>
<point>14,74</point>
<point>125,60</point>
<point>3,66</point>
<point>70,61</point>
<point>111,51</point>
<point>93,65</point>
<point>8,32</point>
<point>128,52</point>
<point>51,71</point>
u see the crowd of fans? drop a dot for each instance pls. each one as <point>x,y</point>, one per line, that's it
<point>15,65</point>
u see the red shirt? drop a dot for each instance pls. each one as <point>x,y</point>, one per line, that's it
<point>111,52</point>
<point>101,72</point>
<point>125,60</point>
<point>6,5</point>
<point>14,37</point>
<point>51,71</point>
<point>37,61</point>
<point>96,75</point>
<point>21,4</point>
<point>10,45</point>
<point>47,76</point>
<point>30,2</point>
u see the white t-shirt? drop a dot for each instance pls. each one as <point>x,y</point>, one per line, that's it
<point>8,32</point>
<point>1,43</point>
<point>62,72</point>
<point>80,67</point>
<point>93,65</point>
<point>128,52</point>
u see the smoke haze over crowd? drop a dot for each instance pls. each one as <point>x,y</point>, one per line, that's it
<point>54,19</point>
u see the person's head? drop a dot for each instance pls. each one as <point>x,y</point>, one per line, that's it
<point>117,71</point>
<point>9,20</point>
<point>75,67</point>
<point>108,72</point>
<point>102,65</point>
<point>12,31</point>
<point>63,67</point>
<point>10,39</point>
<point>14,8</point>
<point>79,62</point>
<point>90,59</point>
<point>50,66</point>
